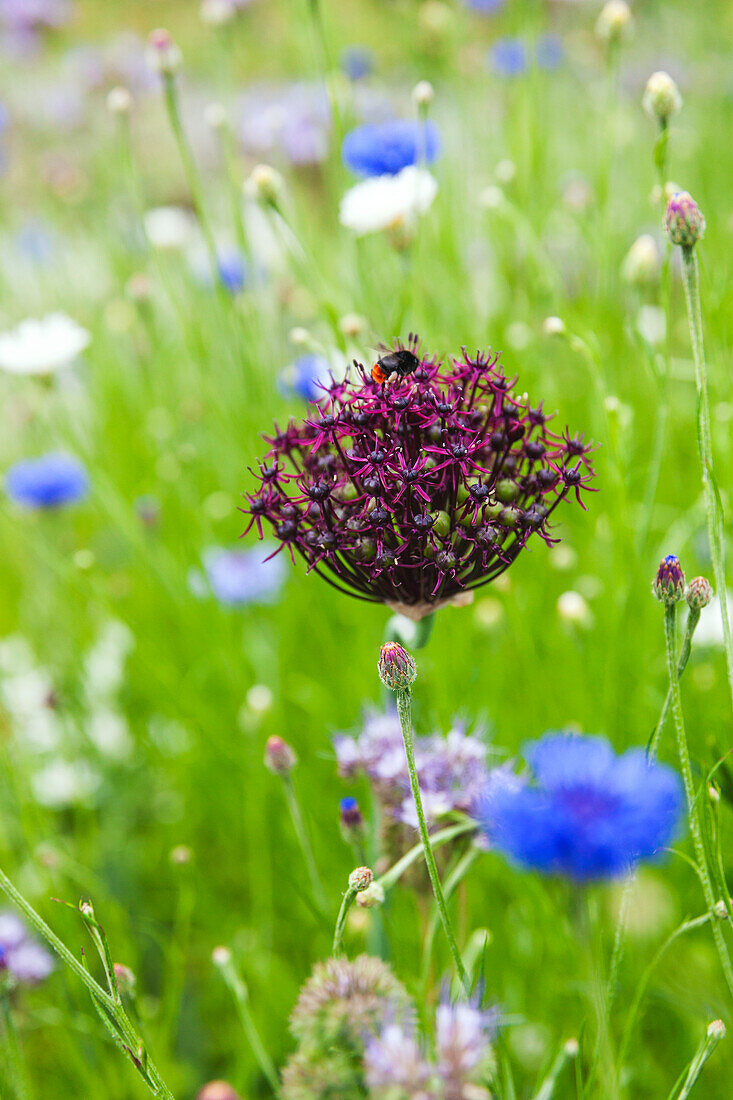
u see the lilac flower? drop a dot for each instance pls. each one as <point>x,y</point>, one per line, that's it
<point>485,7</point>
<point>413,492</point>
<point>549,52</point>
<point>508,57</point>
<point>232,270</point>
<point>384,149</point>
<point>293,119</point>
<point>29,16</point>
<point>452,769</point>
<point>393,1060</point>
<point>589,814</point>
<point>357,62</point>
<point>47,482</point>
<point>463,1034</point>
<point>240,577</point>
<point>20,955</point>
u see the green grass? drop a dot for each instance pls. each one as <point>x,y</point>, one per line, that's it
<point>171,401</point>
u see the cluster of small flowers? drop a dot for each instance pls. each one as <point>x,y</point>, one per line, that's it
<point>21,956</point>
<point>452,769</point>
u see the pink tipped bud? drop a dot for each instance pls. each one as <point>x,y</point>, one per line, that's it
<point>669,583</point>
<point>683,220</point>
<point>699,593</point>
<point>360,878</point>
<point>217,1090</point>
<point>126,980</point>
<point>397,669</point>
<point>163,54</point>
<point>280,759</point>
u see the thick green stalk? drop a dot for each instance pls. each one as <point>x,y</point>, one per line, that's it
<point>239,991</point>
<point>693,618</point>
<point>341,920</point>
<point>16,1065</point>
<point>712,1037</point>
<point>301,833</point>
<point>691,279</point>
<point>404,712</point>
<point>670,633</point>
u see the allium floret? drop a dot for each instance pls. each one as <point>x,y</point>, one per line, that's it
<point>416,491</point>
<point>585,812</point>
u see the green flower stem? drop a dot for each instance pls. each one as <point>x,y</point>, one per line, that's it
<point>390,877</point>
<point>454,879</point>
<point>660,152</point>
<point>240,993</point>
<point>567,1052</point>
<point>301,833</point>
<point>693,618</point>
<point>670,633</point>
<point>338,935</point>
<point>709,1042</point>
<point>109,1006</point>
<point>18,1071</point>
<point>404,712</point>
<point>691,280</point>
<point>191,173</point>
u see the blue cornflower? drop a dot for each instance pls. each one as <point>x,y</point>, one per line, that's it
<point>307,376</point>
<point>589,814</point>
<point>508,57</point>
<point>238,577</point>
<point>549,51</point>
<point>357,62</point>
<point>486,7</point>
<point>232,270</point>
<point>384,149</point>
<point>47,482</point>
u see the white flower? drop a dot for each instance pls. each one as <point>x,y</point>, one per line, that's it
<point>43,345</point>
<point>169,227</point>
<point>387,202</point>
<point>61,783</point>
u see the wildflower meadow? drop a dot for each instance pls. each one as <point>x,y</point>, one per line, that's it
<point>366,663</point>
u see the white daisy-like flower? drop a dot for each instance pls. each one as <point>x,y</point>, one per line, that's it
<point>42,345</point>
<point>169,228</point>
<point>388,202</point>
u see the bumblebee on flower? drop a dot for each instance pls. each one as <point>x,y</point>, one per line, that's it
<point>414,491</point>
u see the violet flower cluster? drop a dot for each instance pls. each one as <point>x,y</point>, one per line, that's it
<point>20,955</point>
<point>414,491</point>
<point>453,772</point>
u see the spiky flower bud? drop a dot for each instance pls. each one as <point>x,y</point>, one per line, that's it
<point>280,758</point>
<point>164,56</point>
<point>683,220</point>
<point>352,822</point>
<point>642,262</point>
<point>699,593</point>
<point>360,878</point>
<point>397,669</point>
<point>217,1090</point>
<point>126,980</point>
<point>371,897</point>
<point>661,97</point>
<point>669,583</point>
<point>266,185</point>
<point>119,101</point>
<point>614,22</point>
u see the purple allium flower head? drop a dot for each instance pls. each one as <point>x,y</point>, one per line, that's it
<point>508,57</point>
<point>240,577</point>
<point>47,482</point>
<point>384,149</point>
<point>22,956</point>
<point>453,772</point>
<point>669,583</point>
<point>588,814</point>
<point>549,51</point>
<point>413,492</point>
<point>357,62</point>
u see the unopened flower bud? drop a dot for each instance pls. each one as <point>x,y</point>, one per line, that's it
<point>280,758</point>
<point>221,956</point>
<point>423,94</point>
<point>661,98</point>
<point>371,897</point>
<point>669,583</point>
<point>299,336</point>
<point>683,220</point>
<point>642,262</point>
<point>716,1029</point>
<point>181,855</point>
<point>553,326</point>
<point>119,101</point>
<point>713,794</point>
<point>614,22</point>
<point>571,1048</point>
<point>721,910</point>
<point>163,54</point>
<point>360,878</point>
<point>126,980</point>
<point>216,13</point>
<point>217,1090</point>
<point>265,184</point>
<point>699,593</point>
<point>397,669</point>
<point>351,324</point>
